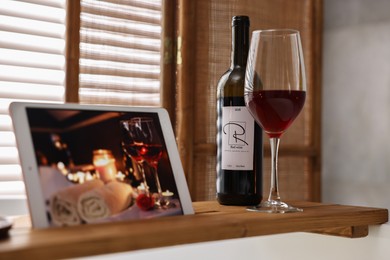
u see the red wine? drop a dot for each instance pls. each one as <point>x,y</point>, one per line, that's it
<point>275,110</point>
<point>131,151</point>
<point>239,138</point>
<point>148,152</point>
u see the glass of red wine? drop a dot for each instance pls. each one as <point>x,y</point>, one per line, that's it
<point>275,92</point>
<point>145,146</point>
<point>132,159</point>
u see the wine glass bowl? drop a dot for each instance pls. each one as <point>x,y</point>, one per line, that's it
<point>275,110</point>
<point>275,93</point>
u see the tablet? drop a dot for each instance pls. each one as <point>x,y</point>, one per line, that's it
<point>87,164</point>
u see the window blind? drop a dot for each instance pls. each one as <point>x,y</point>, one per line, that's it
<point>120,43</point>
<point>32,68</point>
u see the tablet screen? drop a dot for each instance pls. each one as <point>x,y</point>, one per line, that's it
<point>99,166</point>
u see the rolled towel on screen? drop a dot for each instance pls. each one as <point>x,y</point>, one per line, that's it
<point>63,204</point>
<point>105,201</point>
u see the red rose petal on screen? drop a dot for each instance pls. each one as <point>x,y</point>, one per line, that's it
<point>145,202</point>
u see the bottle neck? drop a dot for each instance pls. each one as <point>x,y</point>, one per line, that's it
<point>240,45</point>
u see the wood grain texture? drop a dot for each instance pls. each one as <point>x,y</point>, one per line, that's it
<point>221,222</point>
<point>72,51</point>
<point>185,79</point>
<point>351,232</point>
<point>168,71</point>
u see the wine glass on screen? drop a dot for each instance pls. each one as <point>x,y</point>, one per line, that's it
<point>146,146</point>
<point>132,159</point>
<point>275,92</point>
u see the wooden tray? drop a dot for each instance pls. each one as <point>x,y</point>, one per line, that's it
<point>211,222</point>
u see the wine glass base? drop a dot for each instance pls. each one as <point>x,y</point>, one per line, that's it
<point>273,206</point>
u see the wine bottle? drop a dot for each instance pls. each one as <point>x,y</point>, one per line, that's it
<point>239,138</point>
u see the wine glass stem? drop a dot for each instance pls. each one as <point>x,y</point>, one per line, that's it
<point>141,168</point>
<point>274,189</point>
<point>155,174</point>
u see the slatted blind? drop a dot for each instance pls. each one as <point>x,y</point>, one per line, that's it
<point>32,68</point>
<point>120,42</point>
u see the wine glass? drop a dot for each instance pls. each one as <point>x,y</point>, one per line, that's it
<point>131,155</point>
<point>146,145</point>
<point>275,92</point>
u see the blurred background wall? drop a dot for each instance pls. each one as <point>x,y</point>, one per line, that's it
<point>356,102</point>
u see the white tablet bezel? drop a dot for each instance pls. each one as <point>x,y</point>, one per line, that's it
<point>30,166</point>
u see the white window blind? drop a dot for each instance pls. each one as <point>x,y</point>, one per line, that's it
<point>120,43</point>
<point>32,68</point>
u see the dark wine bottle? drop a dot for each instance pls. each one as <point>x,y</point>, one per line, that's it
<point>239,138</point>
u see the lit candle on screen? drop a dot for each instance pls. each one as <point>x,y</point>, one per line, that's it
<point>104,163</point>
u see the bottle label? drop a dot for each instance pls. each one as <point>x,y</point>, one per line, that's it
<point>238,129</point>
